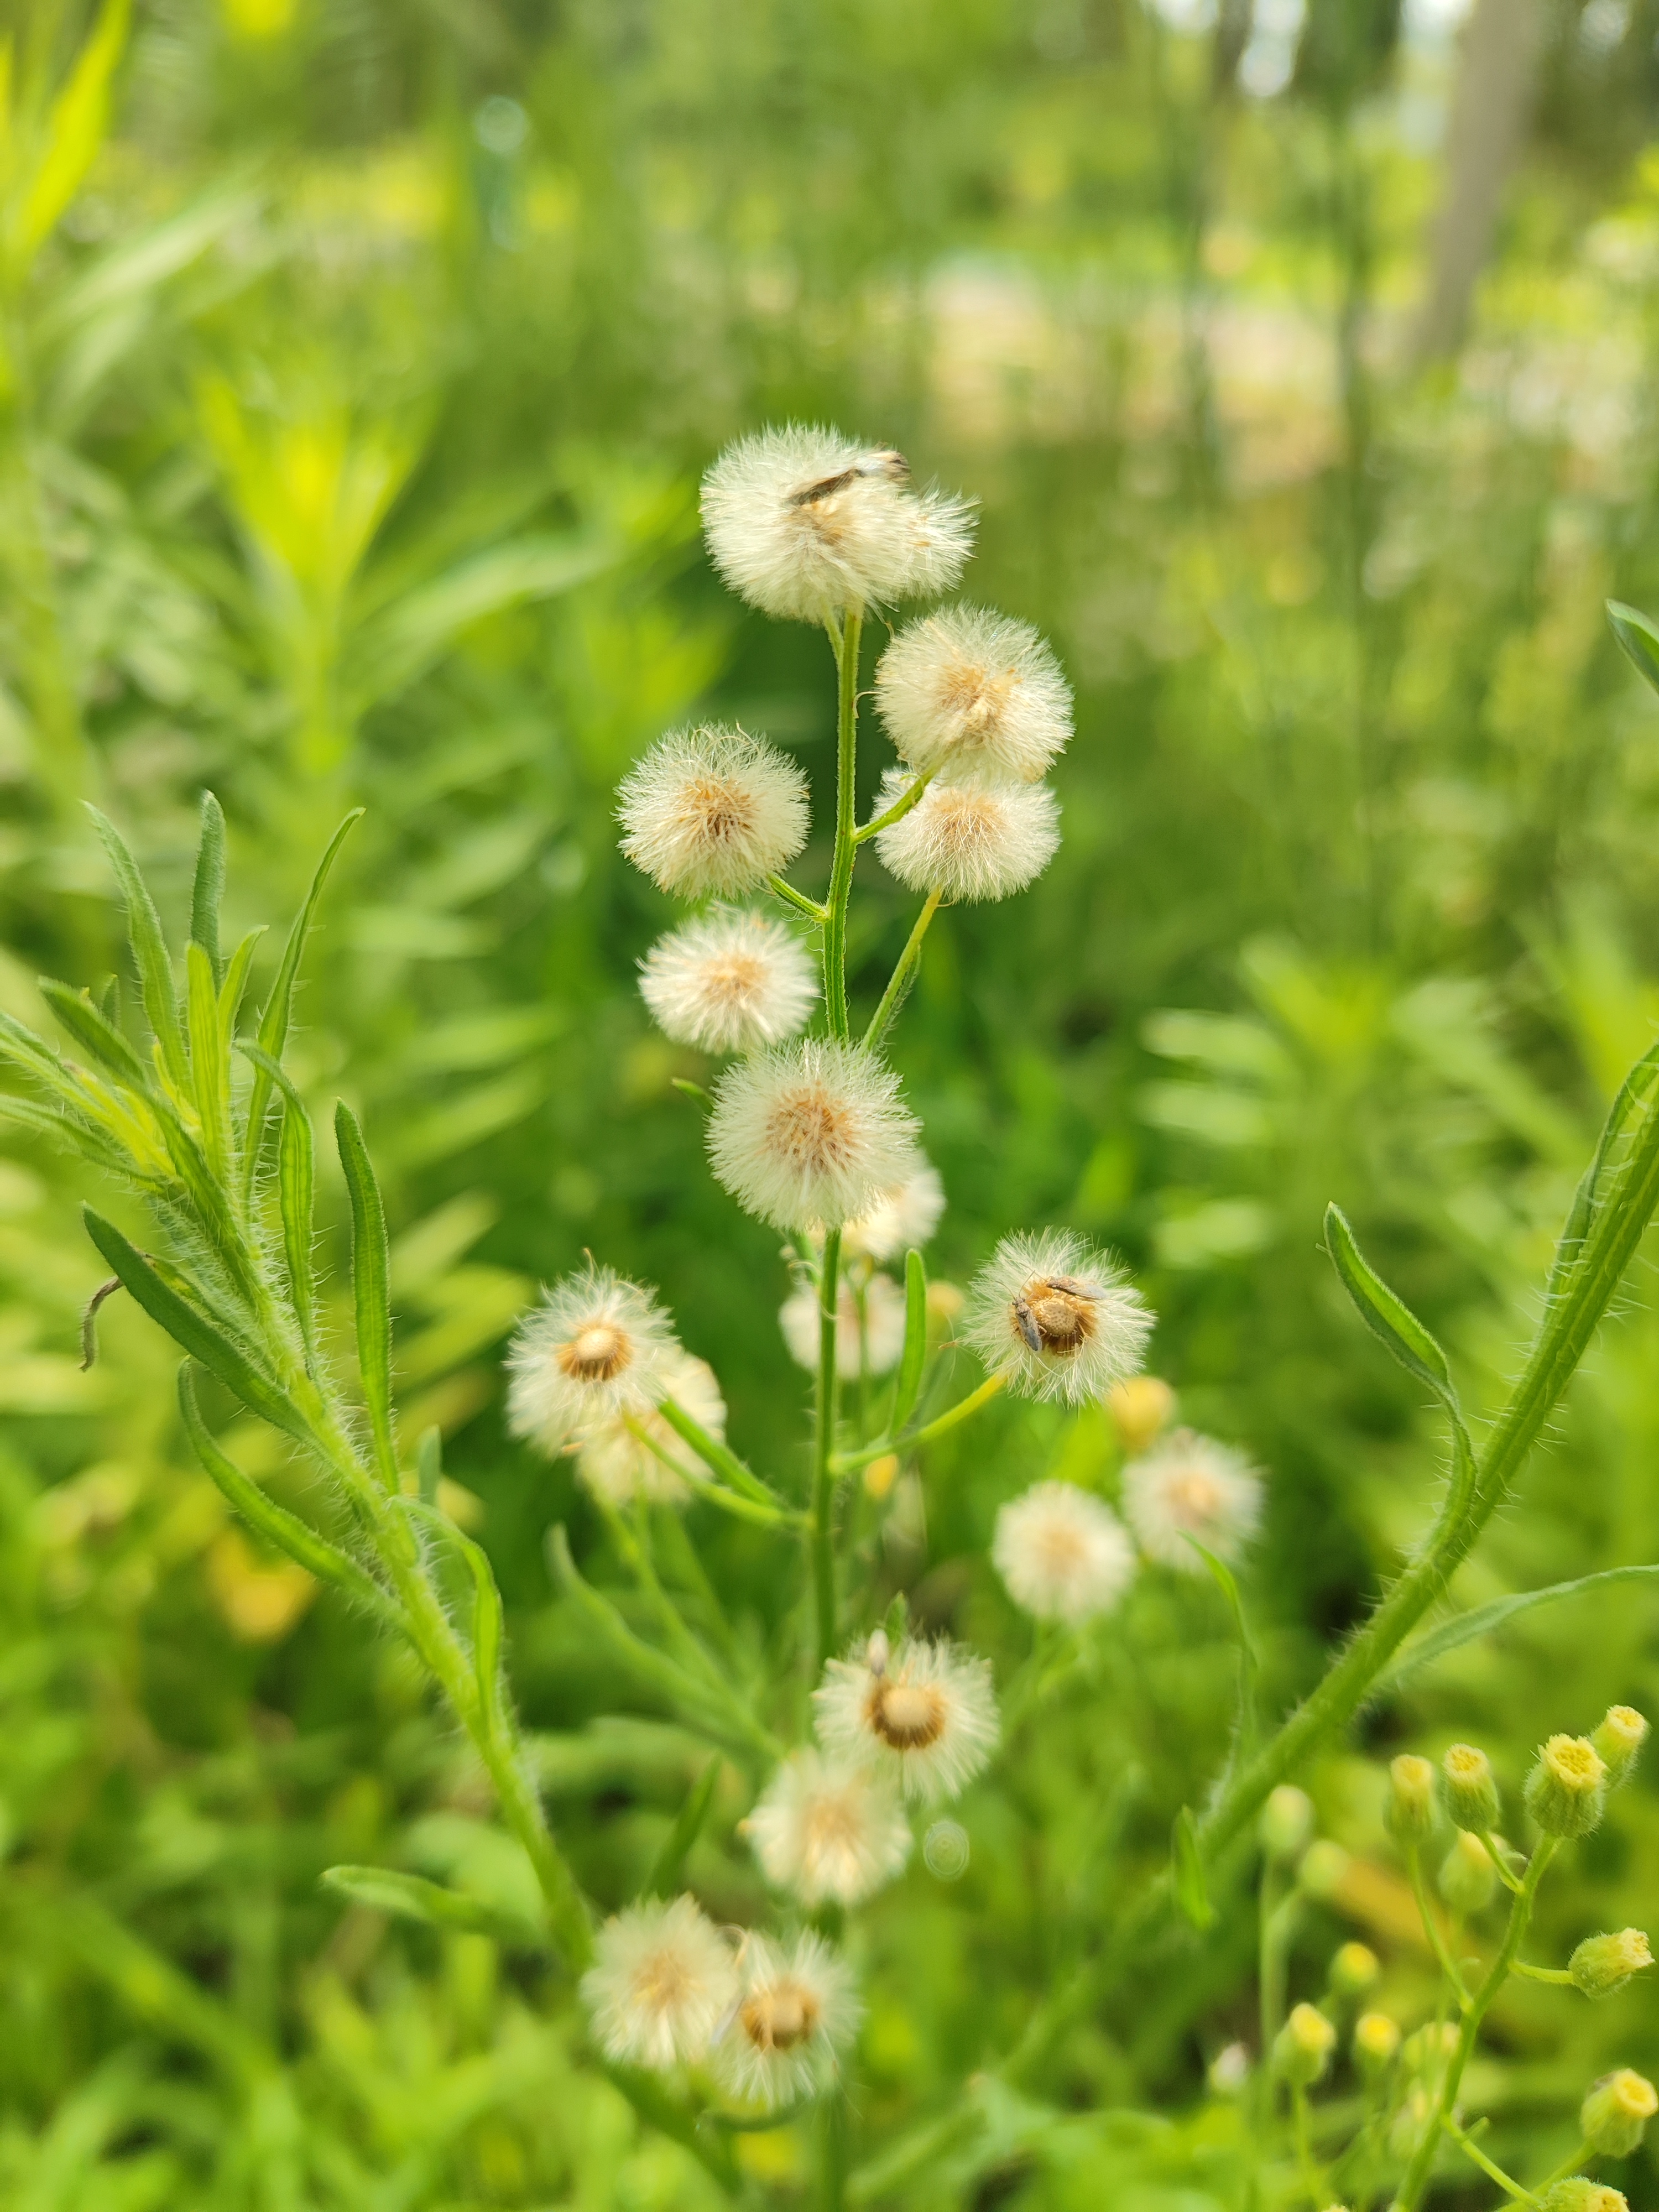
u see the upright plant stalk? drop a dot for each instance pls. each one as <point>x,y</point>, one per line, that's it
<point>824,1474</point>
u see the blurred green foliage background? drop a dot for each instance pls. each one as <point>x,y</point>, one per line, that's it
<point>359,361</point>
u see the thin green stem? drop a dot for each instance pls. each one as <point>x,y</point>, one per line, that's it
<point>1431,1925</point>
<point>1558,1975</point>
<point>718,1456</point>
<point>1410,2194</point>
<point>849,1462</point>
<point>729,1501</point>
<point>845,644</point>
<point>1493,2172</point>
<point>1576,2164</point>
<point>1304,2156</point>
<point>899,982</point>
<point>798,900</point>
<point>898,809</point>
<point>824,1467</point>
<point>1499,1856</point>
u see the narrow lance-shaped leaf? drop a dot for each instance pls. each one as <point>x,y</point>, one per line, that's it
<point>664,1879</point>
<point>1451,1634</point>
<point>149,953</point>
<point>1596,1187</point>
<point>208,889</point>
<point>208,1198</point>
<point>384,1889</point>
<point>1387,1316</point>
<point>371,1286</point>
<point>279,1006</point>
<point>276,1524</point>
<point>235,982</point>
<point>193,1332</point>
<point>96,1036</point>
<point>210,1069</point>
<point>297,1175</point>
<point>429,1463</point>
<point>913,1357</point>
<point>1187,1872</point>
<point>1639,637</point>
<point>75,130</point>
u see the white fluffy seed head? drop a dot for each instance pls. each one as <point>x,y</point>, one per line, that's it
<point>796,2008</point>
<point>597,1347</point>
<point>829,1831</point>
<point>618,1463</point>
<point>867,1340</point>
<point>969,841</point>
<point>662,1983</point>
<point>1191,1485</point>
<point>972,695</point>
<point>1056,1318</point>
<point>1062,1554</point>
<point>901,1220</point>
<point>711,810</point>
<point>809,1132</point>
<point>804,524</point>
<point>925,1713</point>
<point>729,981</point>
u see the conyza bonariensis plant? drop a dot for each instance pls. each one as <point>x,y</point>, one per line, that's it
<point>713,2031</point>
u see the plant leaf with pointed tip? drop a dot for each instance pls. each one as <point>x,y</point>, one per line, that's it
<point>1187,1872</point>
<point>93,1033</point>
<point>1387,1316</point>
<point>1639,637</point>
<point>149,953</point>
<point>665,1877</point>
<point>913,1357</point>
<point>371,1286</point>
<point>412,1896</point>
<point>207,886</point>
<point>1485,1618</point>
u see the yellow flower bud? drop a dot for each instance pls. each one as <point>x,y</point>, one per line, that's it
<point>1468,1879</point>
<point>1287,1822</point>
<point>1411,1810</point>
<point>1580,2194</point>
<point>1303,2047</point>
<point>1376,2044</point>
<point>1602,1964</point>
<point>1471,1787</point>
<point>1140,1408</point>
<point>1615,2114</point>
<point>1618,1739</point>
<point>1323,1866</point>
<point>1568,1787</point>
<point>1353,1970</point>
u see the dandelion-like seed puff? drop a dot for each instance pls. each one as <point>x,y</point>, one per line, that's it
<point>614,1454</point>
<point>796,2009</point>
<point>1056,1318</point>
<point>874,1346</point>
<point>901,1220</point>
<point>711,810</point>
<point>1062,1554</point>
<point>966,693</point>
<point>809,1132</point>
<point>596,1349</point>
<point>924,1712</point>
<point>1191,1485</point>
<point>806,524</point>
<point>970,842</point>
<point>828,1830</point>
<point>729,981</point>
<point>662,1983</point>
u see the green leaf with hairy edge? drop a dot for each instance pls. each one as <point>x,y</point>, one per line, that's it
<point>371,1268</point>
<point>149,953</point>
<point>1485,1618</point>
<point>1387,1316</point>
<point>98,1038</point>
<point>58,1130</point>
<point>296,1180</point>
<point>913,1357</point>
<point>486,1627</point>
<point>209,1062</point>
<point>208,887</point>
<point>1187,1871</point>
<point>1638,635</point>
<point>193,1332</point>
<point>665,1877</point>
<point>278,1008</point>
<point>75,130</point>
<point>207,1195</point>
<point>410,1896</point>
<point>1633,1092</point>
<point>276,1524</point>
<point>235,982</point>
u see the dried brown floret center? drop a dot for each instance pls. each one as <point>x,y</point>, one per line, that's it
<point>812,1129</point>
<point>735,979</point>
<point>781,2016</point>
<point>906,1716</point>
<point>1056,1314</point>
<point>598,1353</point>
<point>723,810</point>
<point>662,1982</point>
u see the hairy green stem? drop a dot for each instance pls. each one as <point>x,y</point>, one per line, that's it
<point>899,982</point>
<point>824,1468</point>
<point>1410,2193</point>
<point>908,1440</point>
<point>898,809</point>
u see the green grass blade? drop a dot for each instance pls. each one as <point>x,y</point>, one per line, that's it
<point>278,1009</point>
<point>276,1524</point>
<point>371,1286</point>
<point>210,1061</point>
<point>193,1332</point>
<point>98,1038</point>
<point>913,1357</point>
<point>1451,1634</point>
<point>666,1873</point>
<point>149,953</point>
<point>208,888</point>
<point>410,1896</point>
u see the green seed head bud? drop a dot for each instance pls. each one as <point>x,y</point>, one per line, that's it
<point>1615,2114</point>
<point>1324,1864</point>
<point>1471,1787</point>
<point>1602,1964</point>
<point>1229,2069</point>
<point>1579,2194</point>
<point>1619,1738</point>
<point>1468,1879</point>
<point>1429,2048</point>
<point>1568,1787</point>
<point>1376,2044</point>
<point>1354,1969</point>
<point>1287,1820</point>
<point>1411,1811</point>
<point>1303,2047</point>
